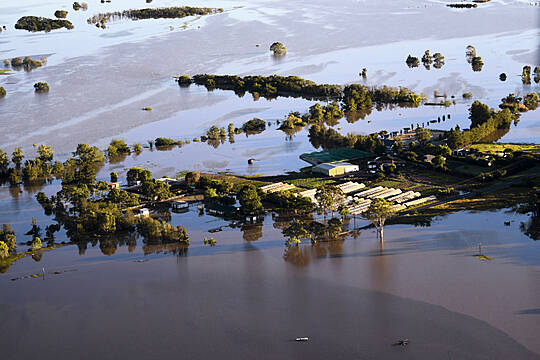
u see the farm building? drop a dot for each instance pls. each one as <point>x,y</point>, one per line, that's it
<point>404,197</point>
<point>309,194</point>
<point>335,155</point>
<point>141,212</point>
<point>272,188</point>
<point>221,210</point>
<point>179,206</point>
<point>385,193</point>
<point>335,169</point>
<point>350,187</point>
<point>420,201</point>
<point>370,191</point>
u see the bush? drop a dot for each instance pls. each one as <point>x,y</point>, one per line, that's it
<point>467,95</point>
<point>61,14</point>
<point>41,87</point>
<point>254,126</point>
<point>477,63</point>
<point>77,6</point>
<point>2,92</point>
<point>531,101</point>
<point>160,141</point>
<point>16,62</point>
<point>278,48</point>
<point>118,147</point>
<point>184,80</point>
<point>412,61</point>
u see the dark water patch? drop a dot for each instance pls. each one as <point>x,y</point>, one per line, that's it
<point>529,312</point>
<point>205,308</point>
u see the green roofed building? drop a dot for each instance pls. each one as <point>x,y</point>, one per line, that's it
<point>335,155</point>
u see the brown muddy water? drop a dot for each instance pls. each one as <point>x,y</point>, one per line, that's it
<point>250,296</point>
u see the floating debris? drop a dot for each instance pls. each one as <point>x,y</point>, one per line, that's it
<point>42,274</point>
<point>401,342</point>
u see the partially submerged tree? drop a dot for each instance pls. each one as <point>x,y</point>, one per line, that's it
<point>329,198</point>
<point>379,210</point>
<point>278,48</point>
<point>295,232</point>
<point>250,201</point>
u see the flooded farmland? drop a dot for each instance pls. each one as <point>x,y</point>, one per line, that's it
<point>249,294</point>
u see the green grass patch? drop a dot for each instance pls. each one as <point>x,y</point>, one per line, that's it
<point>499,148</point>
<point>311,183</point>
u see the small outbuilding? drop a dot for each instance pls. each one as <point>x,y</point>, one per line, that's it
<point>179,206</point>
<point>335,169</point>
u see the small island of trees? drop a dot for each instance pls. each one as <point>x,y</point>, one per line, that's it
<point>35,23</point>
<point>152,13</point>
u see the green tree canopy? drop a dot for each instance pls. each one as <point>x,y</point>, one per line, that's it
<point>250,201</point>
<point>45,153</point>
<point>17,157</point>
<point>422,135</point>
<point>295,232</point>
<point>479,113</point>
<point>379,210</point>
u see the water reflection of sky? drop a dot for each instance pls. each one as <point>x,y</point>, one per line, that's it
<point>66,43</point>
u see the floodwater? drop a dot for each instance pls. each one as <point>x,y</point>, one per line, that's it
<point>250,296</point>
<point>98,89</point>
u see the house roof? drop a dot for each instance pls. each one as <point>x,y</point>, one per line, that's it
<point>329,166</point>
<point>334,155</point>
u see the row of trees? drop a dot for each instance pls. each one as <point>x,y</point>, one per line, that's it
<point>269,87</point>
<point>153,13</point>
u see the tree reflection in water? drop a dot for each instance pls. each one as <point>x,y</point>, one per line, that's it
<point>302,255</point>
<point>531,228</point>
<point>251,232</point>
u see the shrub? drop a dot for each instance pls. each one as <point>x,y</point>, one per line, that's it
<point>77,6</point>
<point>412,61</point>
<point>467,95</point>
<point>160,141</point>
<point>2,92</point>
<point>477,63</point>
<point>278,48</point>
<point>530,101</point>
<point>16,62</point>
<point>254,125</point>
<point>61,14</point>
<point>184,80</point>
<point>41,87</point>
